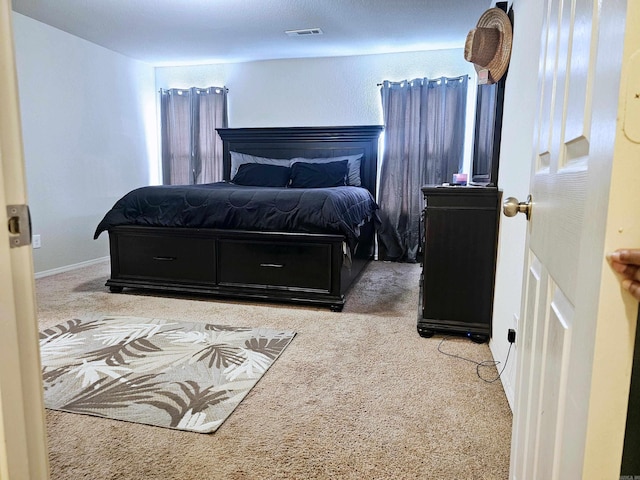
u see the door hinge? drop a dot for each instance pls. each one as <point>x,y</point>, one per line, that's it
<point>19,225</point>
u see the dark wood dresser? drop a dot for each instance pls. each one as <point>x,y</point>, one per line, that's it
<point>459,263</point>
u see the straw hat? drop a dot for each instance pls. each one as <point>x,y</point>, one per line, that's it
<point>488,46</point>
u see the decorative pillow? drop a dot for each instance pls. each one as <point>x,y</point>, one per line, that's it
<point>238,159</point>
<point>354,166</point>
<point>318,175</point>
<point>262,175</point>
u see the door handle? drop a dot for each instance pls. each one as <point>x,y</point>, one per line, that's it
<point>511,207</point>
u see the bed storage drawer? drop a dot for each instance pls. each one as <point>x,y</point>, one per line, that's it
<point>277,265</point>
<point>179,258</point>
<point>293,267</point>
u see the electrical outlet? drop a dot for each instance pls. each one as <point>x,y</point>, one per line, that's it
<point>35,241</point>
<point>511,336</point>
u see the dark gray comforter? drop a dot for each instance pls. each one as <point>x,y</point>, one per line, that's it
<point>339,210</point>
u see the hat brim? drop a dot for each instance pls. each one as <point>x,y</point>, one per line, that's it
<point>497,18</point>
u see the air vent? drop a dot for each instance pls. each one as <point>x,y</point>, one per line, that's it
<point>304,33</point>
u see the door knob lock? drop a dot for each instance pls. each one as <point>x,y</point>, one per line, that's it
<point>511,207</point>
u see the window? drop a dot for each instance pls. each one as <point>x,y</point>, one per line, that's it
<point>191,146</point>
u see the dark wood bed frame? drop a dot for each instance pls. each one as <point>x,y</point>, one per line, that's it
<point>272,266</point>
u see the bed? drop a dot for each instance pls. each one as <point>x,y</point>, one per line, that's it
<point>262,254</point>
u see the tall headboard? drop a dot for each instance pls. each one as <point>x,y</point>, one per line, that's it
<point>309,142</point>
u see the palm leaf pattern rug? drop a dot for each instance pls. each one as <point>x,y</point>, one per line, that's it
<point>168,373</point>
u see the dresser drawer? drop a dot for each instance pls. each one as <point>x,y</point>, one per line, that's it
<point>181,259</point>
<point>278,265</point>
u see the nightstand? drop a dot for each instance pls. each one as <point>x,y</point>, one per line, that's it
<point>459,260</point>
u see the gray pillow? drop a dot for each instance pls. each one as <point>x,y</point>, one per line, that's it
<point>238,159</point>
<point>353,176</point>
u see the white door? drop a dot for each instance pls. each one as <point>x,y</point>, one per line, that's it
<point>23,452</point>
<point>575,336</point>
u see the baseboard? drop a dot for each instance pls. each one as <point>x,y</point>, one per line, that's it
<point>67,268</point>
<point>507,375</point>
<point>509,391</point>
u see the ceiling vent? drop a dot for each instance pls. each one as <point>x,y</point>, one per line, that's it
<point>304,33</point>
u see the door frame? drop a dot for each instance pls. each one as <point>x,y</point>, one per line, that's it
<point>617,311</point>
<point>23,449</point>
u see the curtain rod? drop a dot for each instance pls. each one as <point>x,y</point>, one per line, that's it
<point>197,88</point>
<point>468,77</point>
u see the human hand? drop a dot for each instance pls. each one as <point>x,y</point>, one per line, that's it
<point>626,262</point>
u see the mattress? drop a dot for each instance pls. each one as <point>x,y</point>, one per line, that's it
<point>336,210</point>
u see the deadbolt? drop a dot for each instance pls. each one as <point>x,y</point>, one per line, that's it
<point>512,207</point>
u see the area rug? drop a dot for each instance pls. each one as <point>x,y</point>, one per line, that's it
<point>168,373</point>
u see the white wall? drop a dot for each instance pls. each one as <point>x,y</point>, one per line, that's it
<point>516,150</point>
<point>90,126</point>
<point>89,134</point>
<point>318,91</point>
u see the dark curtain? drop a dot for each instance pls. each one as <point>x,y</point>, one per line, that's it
<point>424,124</point>
<point>191,147</point>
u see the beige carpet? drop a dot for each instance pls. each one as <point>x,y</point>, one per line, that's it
<point>357,395</point>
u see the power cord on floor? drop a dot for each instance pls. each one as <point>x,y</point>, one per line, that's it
<point>479,365</point>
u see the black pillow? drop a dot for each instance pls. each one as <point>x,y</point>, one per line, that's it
<point>261,175</point>
<point>319,175</point>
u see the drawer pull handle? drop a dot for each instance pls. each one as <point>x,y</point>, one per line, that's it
<point>165,259</point>
<point>272,265</point>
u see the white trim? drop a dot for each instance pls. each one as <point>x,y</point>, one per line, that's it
<point>67,268</point>
<point>23,439</point>
<point>505,378</point>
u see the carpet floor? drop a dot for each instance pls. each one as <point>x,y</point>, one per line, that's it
<point>357,395</point>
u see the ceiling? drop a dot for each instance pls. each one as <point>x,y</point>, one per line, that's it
<point>183,32</point>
